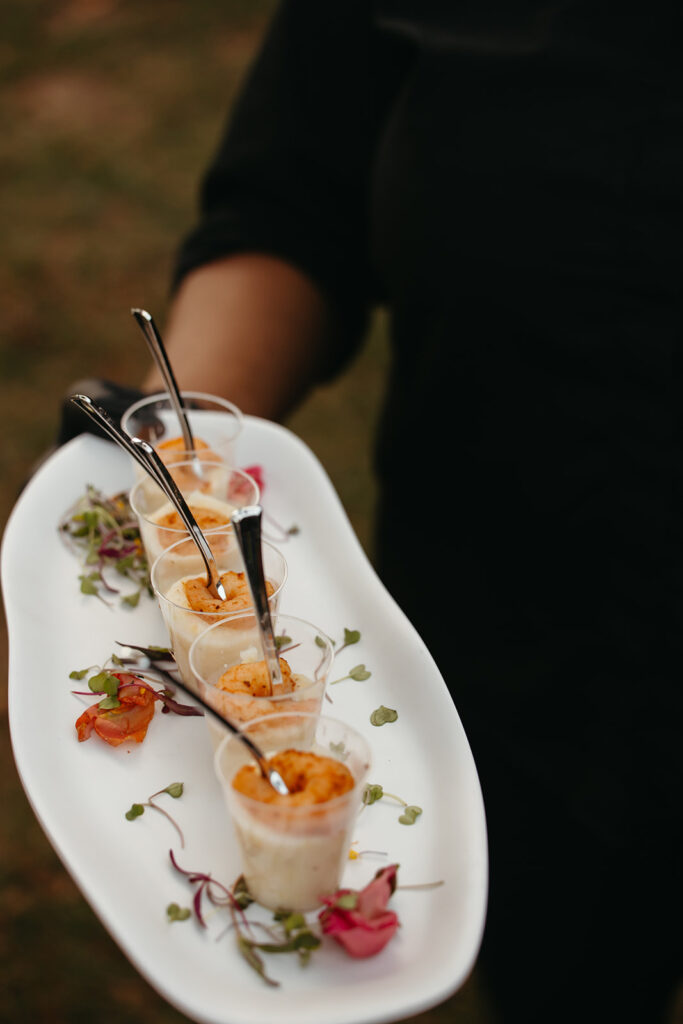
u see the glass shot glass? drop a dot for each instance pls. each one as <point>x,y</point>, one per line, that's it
<point>215,423</point>
<point>229,670</point>
<point>211,495</point>
<point>179,572</point>
<point>292,849</point>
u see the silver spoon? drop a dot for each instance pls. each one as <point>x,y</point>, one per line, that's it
<point>150,461</point>
<point>246,523</point>
<point>271,774</point>
<point>156,346</point>
<point>146,456</point>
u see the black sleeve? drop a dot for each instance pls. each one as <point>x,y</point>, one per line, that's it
<point>291,175</point>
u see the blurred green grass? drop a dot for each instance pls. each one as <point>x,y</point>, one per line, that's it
<point>110,110</point>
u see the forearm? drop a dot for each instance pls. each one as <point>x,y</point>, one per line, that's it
<point>251,328</point>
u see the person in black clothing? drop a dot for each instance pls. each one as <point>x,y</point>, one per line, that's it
<point>507,180</point>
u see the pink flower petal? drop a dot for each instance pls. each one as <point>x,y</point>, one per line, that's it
<point>257,473</point>
<point>365,929</point>
<point>362,942</point>
<point>375,896</point>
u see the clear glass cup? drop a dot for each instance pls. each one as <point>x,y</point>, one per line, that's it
<point>293,854</point>
<point>211,495</point>
<point>178,564</point>
<point>215,424</point>
<point>222,662</point>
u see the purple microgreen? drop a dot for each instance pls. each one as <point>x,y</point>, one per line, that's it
<point>105,683</point>
<point>293,935</point>
<point>103,531</point>
<point>282,641</point>
<point>174,706</point>
<point>215,892</point>
<point>153,652</point>
<point>166,697</point>
<point>161,658</point>
<point>175,789</point>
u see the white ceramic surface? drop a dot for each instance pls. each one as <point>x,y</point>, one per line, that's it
<point>81,791</point>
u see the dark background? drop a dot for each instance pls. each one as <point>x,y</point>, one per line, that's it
<point>110,110</point>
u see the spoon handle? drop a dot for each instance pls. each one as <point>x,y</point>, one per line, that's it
<point>158,350</point>
<point>246,523</point>
<point>147,457</point>
<point>271,774</point>
<point>168,485</point>
<point>102,418</point>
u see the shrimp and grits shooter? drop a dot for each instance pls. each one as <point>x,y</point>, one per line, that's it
<point>215,423</point>
<point>212,491</point>
<point>294,847</point>
<point>237,683</point>
<point>179,581</point>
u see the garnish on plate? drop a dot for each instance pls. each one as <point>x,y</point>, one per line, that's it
<point>289,933</point>
<point>358,919</point>
<point>175,789</point>
<point>126,714</point>
<point>104,532</point>
<point>126,704</point>
<point>359,672</point>
<point>382,715</point>
<point>374,792</point>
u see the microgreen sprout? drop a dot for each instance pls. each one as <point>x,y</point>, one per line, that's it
<point>102,682</point>
<point>382,715</point>
<point>175,789</point>
<point>290,932</point>
<point>374,792</point>
<point>105,533</point>
<point>106,684</point>
<point>359,673</point>
<point>351,636</point>
<point>176,913</point>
